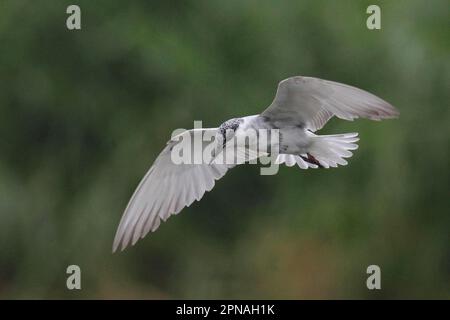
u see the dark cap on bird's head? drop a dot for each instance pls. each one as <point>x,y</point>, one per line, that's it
<point>228,126</point>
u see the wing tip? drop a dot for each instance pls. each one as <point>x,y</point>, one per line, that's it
<point>115,246</point>
<point>386,111</point>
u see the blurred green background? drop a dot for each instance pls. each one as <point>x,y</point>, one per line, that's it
<point>83,114</point>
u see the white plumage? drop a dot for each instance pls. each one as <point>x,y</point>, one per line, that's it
<point>302,105</point>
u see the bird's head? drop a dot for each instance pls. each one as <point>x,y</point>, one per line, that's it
<point>225,133</point>
<point>227,130</point>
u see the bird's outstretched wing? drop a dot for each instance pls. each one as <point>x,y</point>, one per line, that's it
<point>311,102</point>
<point>165,190</point>
<point>292,159</point>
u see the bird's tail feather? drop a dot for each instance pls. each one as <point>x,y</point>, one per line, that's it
<point>330,150</point>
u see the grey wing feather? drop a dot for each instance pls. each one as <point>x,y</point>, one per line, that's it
<point>165,190</point>
<point>311,102</point>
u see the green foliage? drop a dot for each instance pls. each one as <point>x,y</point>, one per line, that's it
<point>84,114</point>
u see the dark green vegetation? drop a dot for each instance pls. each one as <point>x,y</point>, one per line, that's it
<point>83,114</point>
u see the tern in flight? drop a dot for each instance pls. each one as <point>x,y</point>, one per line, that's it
<point>301,107</point>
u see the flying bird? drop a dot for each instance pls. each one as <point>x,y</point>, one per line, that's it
<point>301,107</point>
